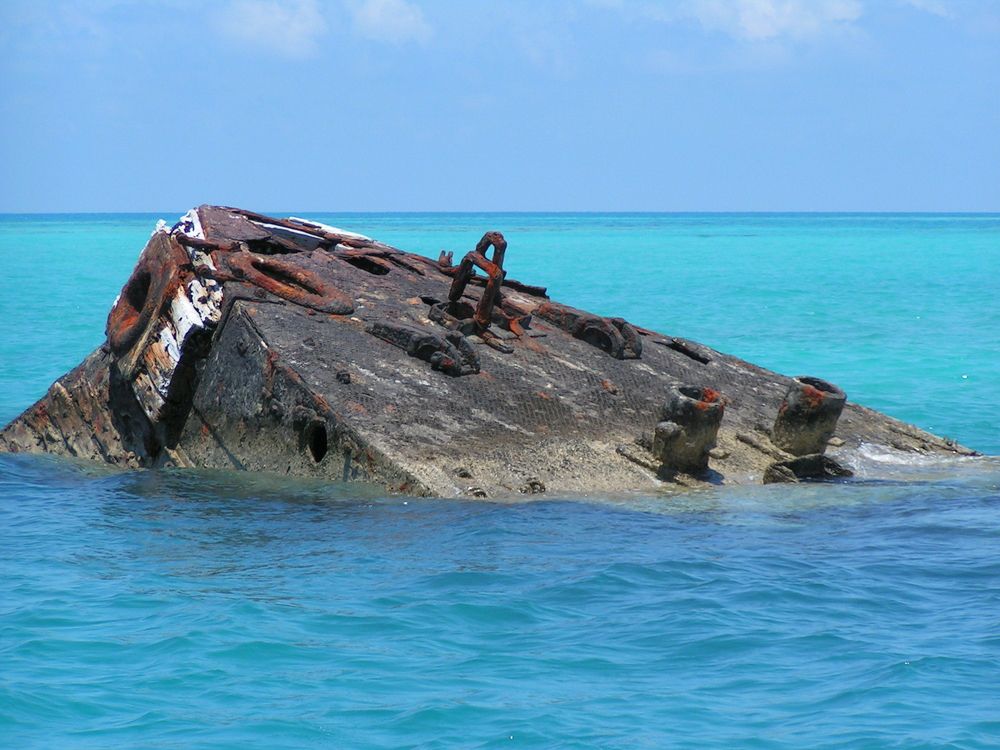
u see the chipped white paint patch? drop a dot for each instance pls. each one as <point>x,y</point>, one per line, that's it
<point>327,228</point>
<point>279,229</point>
<point>205,298</point>
<point>184,317</point>
<point>171,348</point>
<point>190,225</point>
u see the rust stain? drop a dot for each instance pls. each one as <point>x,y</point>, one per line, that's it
<point>709,397</point>
<point>288,280</point>
<point>813,396</point>
<point>531,345</point>
<point>161,269</point>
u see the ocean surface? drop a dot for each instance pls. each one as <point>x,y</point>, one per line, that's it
<point>181,609</point>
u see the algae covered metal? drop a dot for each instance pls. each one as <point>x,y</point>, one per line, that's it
<point>263,344</point>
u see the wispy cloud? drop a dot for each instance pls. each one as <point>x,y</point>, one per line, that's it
<point>754,20</point>
<point>937,7</point>
<point>390,20</point>
<point>290,28</point>
<point>768,20</point>
<point>40,31</point>
<point>773,19</point>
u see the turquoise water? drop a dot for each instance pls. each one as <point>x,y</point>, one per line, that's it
<point>191,609</point>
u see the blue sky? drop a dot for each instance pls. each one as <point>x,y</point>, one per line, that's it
<point>409,105</point>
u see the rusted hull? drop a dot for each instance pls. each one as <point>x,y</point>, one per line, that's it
<point>247,342</point>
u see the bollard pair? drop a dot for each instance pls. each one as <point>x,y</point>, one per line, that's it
<point>690,419</point>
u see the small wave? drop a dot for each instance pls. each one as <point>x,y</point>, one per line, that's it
<point>873,460</point>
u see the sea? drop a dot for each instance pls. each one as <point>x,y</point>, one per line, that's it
<point>206,609</point>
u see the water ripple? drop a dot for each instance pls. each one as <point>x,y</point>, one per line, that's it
<point>141,609</point>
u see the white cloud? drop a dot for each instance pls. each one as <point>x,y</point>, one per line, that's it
<point>936,7</point>
<point>291,28</point>
<point>772,19</point>
<point>752,20</point>
<point>390,20</point>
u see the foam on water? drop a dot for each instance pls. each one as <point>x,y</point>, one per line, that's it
<point>883,461</point>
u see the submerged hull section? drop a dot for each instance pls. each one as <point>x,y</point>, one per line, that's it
<point>261,344</point>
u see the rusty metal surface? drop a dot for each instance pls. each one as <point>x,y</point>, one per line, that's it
<point>256,343</point>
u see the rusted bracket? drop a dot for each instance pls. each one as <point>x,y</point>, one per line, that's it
<point>207,246</point>
<point>495,275</point>
<point>689,350</point>
<point>452,353</point>
<point>462,321</point>
<point>284,279</point>
<point>614,335</point>
<point>268,245</point>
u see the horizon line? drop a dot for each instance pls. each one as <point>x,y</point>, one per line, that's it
<point>531,212</point>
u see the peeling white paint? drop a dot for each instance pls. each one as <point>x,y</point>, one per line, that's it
<point>184,316</point>
<point>327,228</point>
<point>171,348</point>
<point>279,229</point>
<point>190,225</point>
<point>205,298</point>
<point>195,307</point>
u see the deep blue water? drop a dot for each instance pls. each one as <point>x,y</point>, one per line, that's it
<point>197,609</point>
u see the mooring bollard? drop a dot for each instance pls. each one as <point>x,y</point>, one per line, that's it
<point>689,423</point>
<point>808,416</point>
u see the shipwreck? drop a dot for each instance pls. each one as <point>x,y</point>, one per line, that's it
<point>247,342</point>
